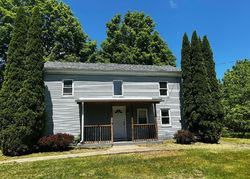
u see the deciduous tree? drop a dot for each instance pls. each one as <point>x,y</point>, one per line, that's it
<point>134,40</point>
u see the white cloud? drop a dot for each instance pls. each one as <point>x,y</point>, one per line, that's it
<point>172,4</point>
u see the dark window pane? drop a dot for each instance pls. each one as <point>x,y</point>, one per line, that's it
<point>142,120</point>
<point>67,91</point>
<point>67,83</point>
<point>117,87</point>
<point>163,92</point>
<point>164,113</point>
<point>163,85</point>
<point>165,120</point>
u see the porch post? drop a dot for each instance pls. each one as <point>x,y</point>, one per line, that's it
<point>156,127</point>
<point>112,129</point>
<point>82,129</point>
<point>132,128</point>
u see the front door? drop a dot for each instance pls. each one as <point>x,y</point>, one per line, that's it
<point>119,122</point>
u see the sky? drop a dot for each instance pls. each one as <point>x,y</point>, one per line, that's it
<point>225,22</point>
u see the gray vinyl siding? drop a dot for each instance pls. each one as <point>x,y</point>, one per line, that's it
<point>63,113</point>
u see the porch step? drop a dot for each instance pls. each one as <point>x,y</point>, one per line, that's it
<point>120,143</point>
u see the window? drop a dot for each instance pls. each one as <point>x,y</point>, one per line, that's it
<point>142,116</point>
<point>67,87</point>
<point>165,117</point>
<point>163,88</point>
<point>117,87</point>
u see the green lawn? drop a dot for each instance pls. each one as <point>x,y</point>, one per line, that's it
<point>193,163</point>
<point>236,140</point>
<point>226,160</point>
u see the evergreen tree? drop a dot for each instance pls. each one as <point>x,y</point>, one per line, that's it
<point>20,136</point>
<point>199,86</point>
<point>32,92</point>
<point>134,40</point>
<point>187,94</point>
<point>212,125</point>
<point>14,73</point>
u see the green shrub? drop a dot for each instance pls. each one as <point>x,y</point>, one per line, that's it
<point>16,141</point>
<point>57,142</point>
<point>184,137</point>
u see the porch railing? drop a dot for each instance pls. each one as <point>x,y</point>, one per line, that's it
<point>144,132</point>
<point>98,133</point>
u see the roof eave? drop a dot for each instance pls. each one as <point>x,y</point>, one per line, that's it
<point>101,72</point>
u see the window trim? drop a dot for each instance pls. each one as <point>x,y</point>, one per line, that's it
<point>159,88</point>
<point>68,95</point>
<point>170,121</point>
<point>113,89</point>
<point>137,114</point>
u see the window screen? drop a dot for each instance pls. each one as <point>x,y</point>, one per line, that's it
<point>117,87</point>
<point>142,116</point>
<point>165,116</point>
<point>163,88</point>
<point>67,87</point>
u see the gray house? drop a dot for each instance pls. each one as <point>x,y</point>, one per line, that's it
<point>112,102</point>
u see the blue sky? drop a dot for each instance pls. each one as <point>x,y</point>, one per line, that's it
<point>225,22</point>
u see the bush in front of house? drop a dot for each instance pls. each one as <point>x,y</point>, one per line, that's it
<point>56,142</point>
<point>184,137</point>
<point>16,140</point>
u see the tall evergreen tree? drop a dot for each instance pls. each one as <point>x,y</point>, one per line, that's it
<point>202,107</point>
<point>32,92</point>
<point>134,40</point>
<point>212,125</point>
<point>200,88</point>
<point>187,94</point>
<point>14,73</point>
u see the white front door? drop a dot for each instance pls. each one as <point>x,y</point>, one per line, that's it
<point>119,122</point>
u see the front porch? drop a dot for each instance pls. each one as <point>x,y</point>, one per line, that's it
<point>112,122</point>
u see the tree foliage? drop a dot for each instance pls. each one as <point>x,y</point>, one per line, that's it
<point>62,35</point>
<point>14,73</point>
<point>22,95</point>
<point>202,110</point>
<point>134,40</point>
<point>236,97</point>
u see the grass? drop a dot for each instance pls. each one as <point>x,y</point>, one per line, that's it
<point>193,163</point>
<point>40,154</point>
<point>230,159</point>
<point>236,140</point>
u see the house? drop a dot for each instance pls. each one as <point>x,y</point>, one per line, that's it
<point>112,102</point>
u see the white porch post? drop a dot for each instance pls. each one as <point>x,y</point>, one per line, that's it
<point>82,127</point>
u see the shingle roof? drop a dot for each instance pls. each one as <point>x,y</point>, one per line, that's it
<point>108,67</point>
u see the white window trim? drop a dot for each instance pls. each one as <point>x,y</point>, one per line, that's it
<point>159,88</point>
<point>142,109</point>
<point>113,89</point>
<point>170,121</point>
<point>66,95</point>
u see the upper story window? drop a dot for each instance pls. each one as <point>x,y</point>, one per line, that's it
<point>165,117</point>
<point>117,87</point>
<point>67,87</point>
<point>163,88</point>
<point>142,116</point>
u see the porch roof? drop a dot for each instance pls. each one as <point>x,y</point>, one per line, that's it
<point>122,99</point>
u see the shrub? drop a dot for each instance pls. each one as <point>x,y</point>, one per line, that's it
<point>16,141</point>
<point>184,137</point>
<point>57,142</point>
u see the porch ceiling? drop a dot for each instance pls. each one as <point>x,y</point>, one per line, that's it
<point>122,99</point>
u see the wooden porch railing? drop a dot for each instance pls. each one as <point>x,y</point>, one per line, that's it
<point>98,133</point>
<point>144,132</point>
